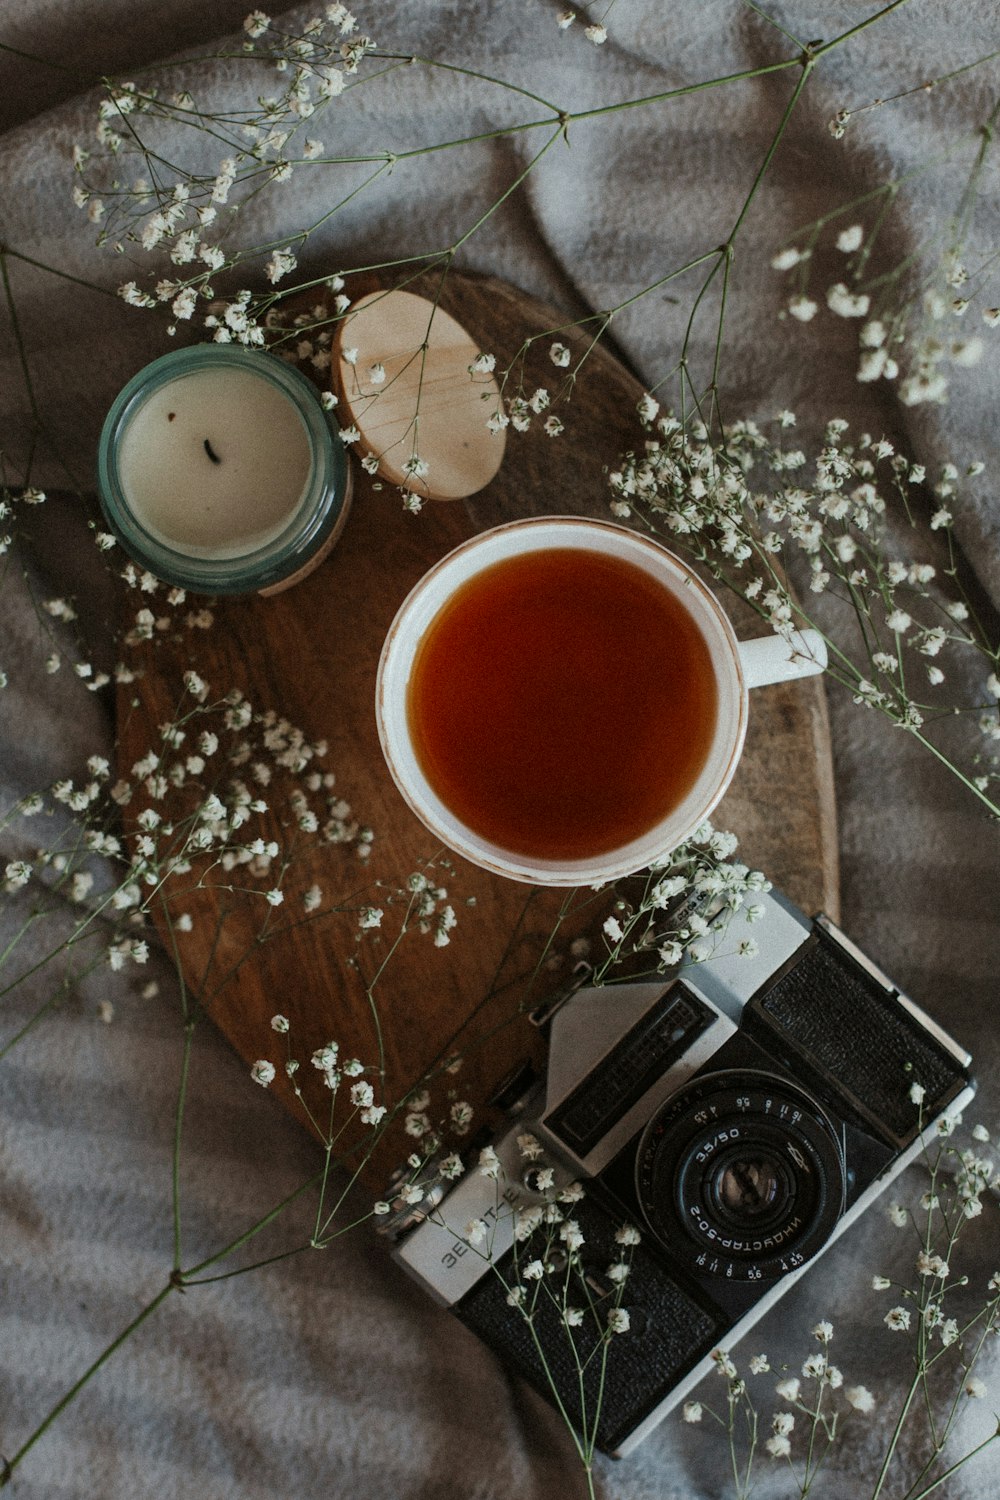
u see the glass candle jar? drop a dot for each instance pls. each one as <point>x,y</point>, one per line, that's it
<point>220,471</point>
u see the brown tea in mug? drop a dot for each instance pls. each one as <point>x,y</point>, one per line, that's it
<point>562,703</point>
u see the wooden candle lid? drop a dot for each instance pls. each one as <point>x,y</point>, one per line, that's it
<point>424,401</point>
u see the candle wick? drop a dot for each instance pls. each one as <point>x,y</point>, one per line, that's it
<point>213,456</point>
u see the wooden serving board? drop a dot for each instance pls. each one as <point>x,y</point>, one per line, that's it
<point>310,654</point>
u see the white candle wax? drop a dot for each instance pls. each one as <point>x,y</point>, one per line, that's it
<point>215,463</point>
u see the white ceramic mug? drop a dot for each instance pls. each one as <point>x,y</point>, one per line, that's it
<point>737,666</point>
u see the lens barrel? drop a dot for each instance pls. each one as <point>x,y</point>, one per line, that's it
<point>741,1175</point>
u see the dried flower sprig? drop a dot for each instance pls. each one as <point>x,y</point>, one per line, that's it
<point>757,511</point>
<point>568,1314</point>
<point>679,911</point>
<point>190,212</point>
<point>932,1315</point>
<point>913,324</point>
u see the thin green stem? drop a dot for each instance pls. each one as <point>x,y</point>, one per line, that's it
<point>796,41</point>
<point>845,36</point>
<point>175,1163</point>
<point>949,1473</point>
<point>45,62</point>
<point>8,1466</point>
<point>789,110</point>
<point>432,62</point>
<point>39,265</point>
<point>255,1228</point>
<point>511,188</point>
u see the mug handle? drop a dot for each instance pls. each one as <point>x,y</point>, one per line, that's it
<point>772,658</point>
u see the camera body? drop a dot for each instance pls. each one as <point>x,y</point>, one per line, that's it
<point>741,1115</point>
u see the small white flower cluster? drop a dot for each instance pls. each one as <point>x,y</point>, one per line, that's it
<point>548,1241</point>
<point>959,1178</point>
<point>213,744</point>
<point>530,401</point>
<point>179,213</point>
<point>332,1069</point>
<point>305,338</point>
<point>886,343</point>
<point>748,504</point>
<point>82,863</point>
<point>686,905</point>
<point>815,1407</point>
<point>429,907</point>
<point>454,1118</point>
<point>596,33</point>
<point>196,804</point>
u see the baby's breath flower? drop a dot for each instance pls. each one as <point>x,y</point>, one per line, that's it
<point>692,1411</point>
<point>842,302</point>
<point>280,263</point>
<point>489,1163</point>
<point>850,239</point>
<point>256,23</point>
<point>571,1234</point>
<point>262,1072</point>
<point>803,308</point>
<point>898,1319</point>
<point>860,1398</point>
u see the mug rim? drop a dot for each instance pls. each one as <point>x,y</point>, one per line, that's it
<point>497,544</point>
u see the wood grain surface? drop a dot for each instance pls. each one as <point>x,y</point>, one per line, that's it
<point>311,654</point>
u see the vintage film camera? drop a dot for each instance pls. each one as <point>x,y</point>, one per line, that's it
<point>741,1115</point>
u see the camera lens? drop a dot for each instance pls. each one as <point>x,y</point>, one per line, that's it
<point>741,1175</point>
<point>750,1187</point>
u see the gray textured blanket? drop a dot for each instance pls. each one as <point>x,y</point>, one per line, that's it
<point>330,1375</point>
